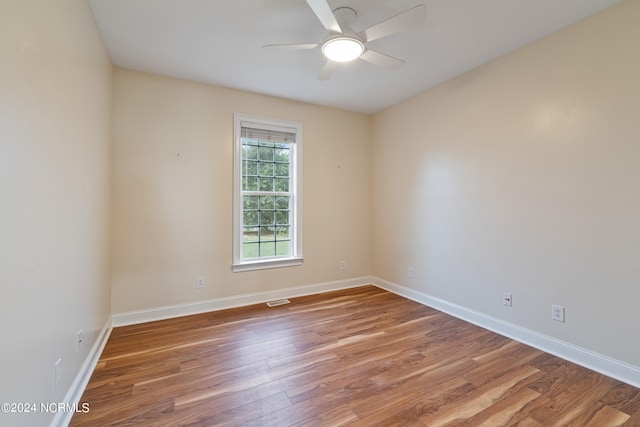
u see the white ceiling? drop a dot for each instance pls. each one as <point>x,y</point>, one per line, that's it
<point>219,42</point>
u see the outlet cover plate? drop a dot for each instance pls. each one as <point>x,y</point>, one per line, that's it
<point>79,340</point>
<point>57,373</point>
<point>506,299</point>
<point>557,313</point>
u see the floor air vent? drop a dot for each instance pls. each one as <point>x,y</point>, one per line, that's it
<point>278,302</point>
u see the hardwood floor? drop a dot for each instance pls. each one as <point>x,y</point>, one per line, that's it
<point>359,357</point>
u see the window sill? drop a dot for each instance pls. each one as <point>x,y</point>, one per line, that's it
<point>266,264</point>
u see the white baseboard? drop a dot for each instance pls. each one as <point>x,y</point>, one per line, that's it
<point>74,394</point>
<point>171,311</point>
<point>606,365</point>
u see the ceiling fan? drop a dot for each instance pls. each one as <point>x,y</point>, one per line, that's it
<point>342,44</point>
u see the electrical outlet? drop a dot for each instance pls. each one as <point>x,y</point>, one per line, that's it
<point>343,265</point>
<point>78,340</point>
<point>506,299</point>
<point>557,313</point>
<point>410,273</point>
<point>199,282</point>
<point>57,373</point>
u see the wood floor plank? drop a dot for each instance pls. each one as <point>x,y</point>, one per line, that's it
<point>401,406</point>
<point>528,422</point>
<point>505,411</point>
<point>481,398</point>
<point>566,406</point>
<point>301,413</point>
<point>340,416</point>
<point>357,357</point>
<point>624,397</point>
<point>600,415</point>
<point>250,411</point>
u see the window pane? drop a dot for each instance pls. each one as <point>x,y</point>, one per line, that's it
<point>282,233</point>
<point>267,249</point>
<point>250,202</point>
<point>282,169</point>
<point>250,183</point>
<point>250,218</point>
<point>282,184</point>
<point>267,218</point>
<point>282,202</point>
<point>250,234</point>
<point>249,168</point>
<point>250,250</point>
<point>282,248</point>
<point>266,154</point>
<point>266,184</point>
<point>267,203</point>
<point>282,217</point>
<point>282,154</point>
<point>266,169</point>
<point>250,150</point>
<point>267,234</point>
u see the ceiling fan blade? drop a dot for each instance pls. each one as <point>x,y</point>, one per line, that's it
<point>324,13</point>
<point>326,71</point>
<point>402,21</point>
<point>382,60</point>
<point>292,46</point>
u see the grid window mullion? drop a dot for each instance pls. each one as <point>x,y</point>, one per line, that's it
<point>266,175</point>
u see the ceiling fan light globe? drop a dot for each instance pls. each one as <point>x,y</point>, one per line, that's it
<point>343,49</point>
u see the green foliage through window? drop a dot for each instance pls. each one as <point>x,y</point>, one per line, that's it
<point>267,208</point>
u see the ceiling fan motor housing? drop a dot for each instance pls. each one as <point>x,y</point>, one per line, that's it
<point>345,17</point>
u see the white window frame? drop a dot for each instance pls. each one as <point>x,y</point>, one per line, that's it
<point>295,258</point>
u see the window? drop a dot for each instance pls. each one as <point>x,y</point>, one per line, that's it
<point>267,193</point>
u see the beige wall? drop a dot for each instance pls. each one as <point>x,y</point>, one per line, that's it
<point>522,176</point>
<point>172,188</point>
<point>55,125</point>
